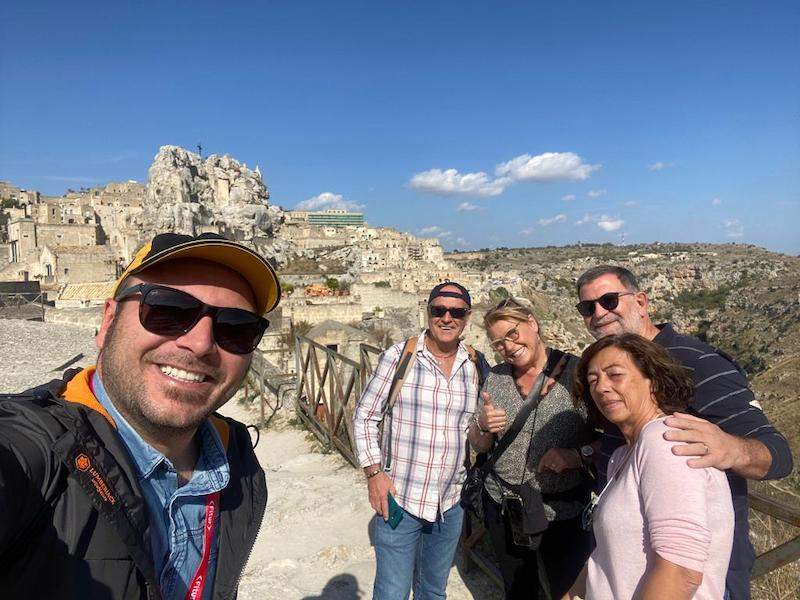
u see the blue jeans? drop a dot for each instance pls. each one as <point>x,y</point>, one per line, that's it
<point>418,552</point>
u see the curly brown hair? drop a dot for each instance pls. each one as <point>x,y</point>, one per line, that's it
<point>670,382</point>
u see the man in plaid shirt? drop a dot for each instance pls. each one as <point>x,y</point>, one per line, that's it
<point>428,444</point>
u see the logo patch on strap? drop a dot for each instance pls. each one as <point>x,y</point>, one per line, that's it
<point>84,464</point>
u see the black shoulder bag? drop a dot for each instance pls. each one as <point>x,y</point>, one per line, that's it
<point>484,463</point>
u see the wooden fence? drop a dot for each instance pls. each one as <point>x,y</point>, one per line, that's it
<point>328,385</point>
<point>263,382</point>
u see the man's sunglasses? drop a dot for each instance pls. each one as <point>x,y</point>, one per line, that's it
<point>172,313</point>
<point>609,301</point>
<point>439,311</point>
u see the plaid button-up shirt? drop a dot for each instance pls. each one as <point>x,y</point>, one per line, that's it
<point>430,419</point>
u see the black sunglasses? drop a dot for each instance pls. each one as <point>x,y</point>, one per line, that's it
<point>439,311</point>
<point>609,301</point>
<point>170,312</point>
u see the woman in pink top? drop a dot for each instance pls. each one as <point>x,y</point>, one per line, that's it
<point>663,529</point>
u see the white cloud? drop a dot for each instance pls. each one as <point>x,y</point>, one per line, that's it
<point>557,219</point>
<point>734,227</point>
<point>568,197</point>
<point>543,168</point>
<point>468,207</point>
<point>607,223</point>
<point>630,203</point>
<point>527,231</point>
<point>716,202</point>
<point>595,193</point>
<point>587,218</point>
<point>547,167</point>
<point>327,200</point>
<point>450,183</point>
<point>435,231</point>
<point>659,166</point>
<point>461,242</point>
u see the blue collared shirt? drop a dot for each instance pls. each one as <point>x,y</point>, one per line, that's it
<point>177,513</point>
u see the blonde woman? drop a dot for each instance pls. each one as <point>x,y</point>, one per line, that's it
<point>542,466</point>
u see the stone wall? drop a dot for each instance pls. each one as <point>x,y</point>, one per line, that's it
<point>382,297</point>
<point>322,309</point>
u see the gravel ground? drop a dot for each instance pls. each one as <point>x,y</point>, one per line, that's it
<point>33,351</point>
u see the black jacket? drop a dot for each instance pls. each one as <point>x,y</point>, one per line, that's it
<point>73,520</point>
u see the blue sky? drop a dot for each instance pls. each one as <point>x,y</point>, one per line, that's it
<point>485,123</point>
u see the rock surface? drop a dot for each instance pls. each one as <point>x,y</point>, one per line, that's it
<point>189,194</point>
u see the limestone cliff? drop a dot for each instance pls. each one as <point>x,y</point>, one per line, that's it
<point>189,194</point>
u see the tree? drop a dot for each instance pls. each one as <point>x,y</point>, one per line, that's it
<point>497,294</point>
<point>332,283</point>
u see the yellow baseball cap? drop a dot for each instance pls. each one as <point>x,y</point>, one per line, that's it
<point>215,248</point>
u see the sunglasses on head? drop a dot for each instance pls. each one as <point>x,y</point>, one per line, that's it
<point>172,313</point>
<point>609,301</point>
<point>438,311</point>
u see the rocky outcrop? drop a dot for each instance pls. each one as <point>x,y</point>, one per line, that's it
<point>189,194</point>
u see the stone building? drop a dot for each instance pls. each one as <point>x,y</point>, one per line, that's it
<point>75,264</point>
<point>334,217</point>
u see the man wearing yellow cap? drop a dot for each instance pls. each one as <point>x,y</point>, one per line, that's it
<point>120,481</point>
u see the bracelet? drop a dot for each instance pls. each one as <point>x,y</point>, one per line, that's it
<point>481,429</point>
<point>375,472</point>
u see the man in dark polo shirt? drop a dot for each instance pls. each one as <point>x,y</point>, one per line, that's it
<point>726,428</point>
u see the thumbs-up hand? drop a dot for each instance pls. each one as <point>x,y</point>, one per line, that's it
<point>491,418</point>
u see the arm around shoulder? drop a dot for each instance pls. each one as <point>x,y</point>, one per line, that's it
<point>740,437</point>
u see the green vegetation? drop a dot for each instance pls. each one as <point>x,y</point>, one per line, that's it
<point>497,294</point>
<point>702,299</point>
<point>286,287</point>
<point>332,283</point>
<point>10,203</point>
<point>381,284</point>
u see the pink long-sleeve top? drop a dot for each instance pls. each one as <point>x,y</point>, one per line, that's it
<point>657,505</point>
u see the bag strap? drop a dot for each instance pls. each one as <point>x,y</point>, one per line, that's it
<point>407,358</point>
<point>481,365</point>
<point>541,387</point>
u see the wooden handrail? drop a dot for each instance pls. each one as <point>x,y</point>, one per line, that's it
<point>774,508</point>
<point>789,551</point>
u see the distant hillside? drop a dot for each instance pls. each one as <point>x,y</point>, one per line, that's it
<point>741,298</point>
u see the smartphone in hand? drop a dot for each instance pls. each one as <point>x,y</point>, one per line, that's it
<point>395,512</point>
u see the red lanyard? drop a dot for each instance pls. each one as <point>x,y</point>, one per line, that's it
<point>195,591</point>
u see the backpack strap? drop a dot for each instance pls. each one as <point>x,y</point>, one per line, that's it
<point>407,358</point>
<point>482,366</point>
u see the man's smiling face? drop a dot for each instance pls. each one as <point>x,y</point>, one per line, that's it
<point>164,383</point>
<point>627,317</point>
<point>446,330</point>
